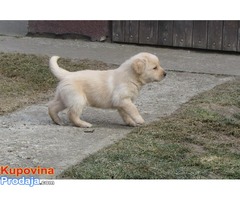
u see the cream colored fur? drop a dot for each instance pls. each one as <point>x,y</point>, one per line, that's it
<point>114,89</point>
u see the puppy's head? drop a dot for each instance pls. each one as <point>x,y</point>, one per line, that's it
<point>147,68</point>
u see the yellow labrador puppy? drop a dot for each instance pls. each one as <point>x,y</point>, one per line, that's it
<point>115,89</point>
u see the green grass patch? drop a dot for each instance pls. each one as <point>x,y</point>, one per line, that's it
<point>200,141</point>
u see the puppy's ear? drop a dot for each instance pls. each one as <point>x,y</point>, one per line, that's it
<point>138,65</point>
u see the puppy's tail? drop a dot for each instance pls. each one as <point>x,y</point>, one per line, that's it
<point>56,70</point>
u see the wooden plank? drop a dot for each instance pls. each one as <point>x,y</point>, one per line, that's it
<point>148,32</point>
<point>230,35</point>
<point>131,31</point>
<point>165,33</point>
<point>182,33</point>
<point>215,35</point>
<point>200,34</point>
<point>118,31</point>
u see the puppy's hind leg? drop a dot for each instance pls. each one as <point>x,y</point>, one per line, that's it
<point>74,118</point>
<point>54,107</point>
<point>74,114</point>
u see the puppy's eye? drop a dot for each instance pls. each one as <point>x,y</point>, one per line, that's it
<point>155,68</point>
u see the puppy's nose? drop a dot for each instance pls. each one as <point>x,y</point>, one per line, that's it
<point>164,74</point>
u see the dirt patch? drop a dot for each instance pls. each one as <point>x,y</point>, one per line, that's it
<point>227,111</point>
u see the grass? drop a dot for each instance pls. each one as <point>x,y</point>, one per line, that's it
<point>200,141</point>
<point>26,79</point>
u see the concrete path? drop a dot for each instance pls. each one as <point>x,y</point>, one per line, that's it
<point>30,139</point>
<point>171,59</point>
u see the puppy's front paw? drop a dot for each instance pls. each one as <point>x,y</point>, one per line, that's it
<point>140,120</point>
<point>131,123</point>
